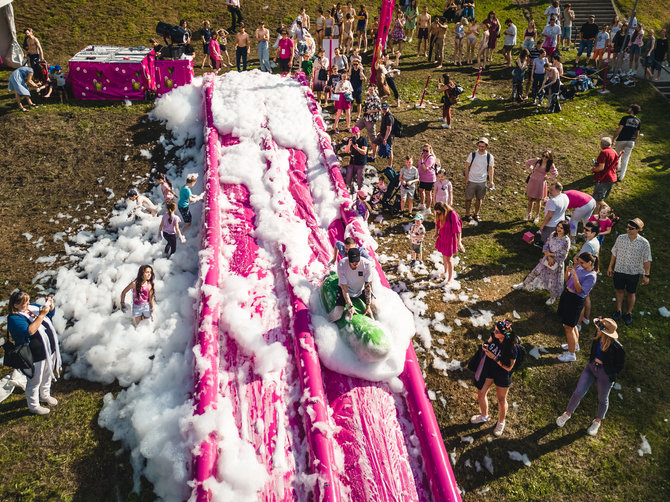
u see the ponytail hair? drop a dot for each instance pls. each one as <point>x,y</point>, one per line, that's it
<point>588,257</point>
<point>171,207</point>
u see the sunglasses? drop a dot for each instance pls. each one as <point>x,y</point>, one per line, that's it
<point>426,151</point>
<point>631,227</point>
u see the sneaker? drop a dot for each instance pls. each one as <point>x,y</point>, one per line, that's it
<point>593,428</point>
<point>586,321</point>
<point>446,126</point>
<point>527,217</point>
<point>39,410</point>
<point>567,357</point>
<point>51,401</point>
<point>550,301</point>
<point>478,419</point>
<point>616,316</point>
<point>579,328</point>
<point>420,207</point>
<point>560,421</point>
<point>518,286</point>
<point>412,263</point>
<point>443,120</point>
<point>420,263</point>
<point>565,347</point>
<point>628,319</point>
<point>428,211</point>
<point>537,219</point>
<point>500,426</point>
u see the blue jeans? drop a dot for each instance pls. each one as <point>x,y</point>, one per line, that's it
<point>469,13</point>
<point>592,373</point>
<point>264,56</point>
<point>241,55</point>
<point>585,45</point>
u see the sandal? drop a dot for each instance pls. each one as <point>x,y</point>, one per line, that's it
<point>478,218</point>
<point>23,109</point>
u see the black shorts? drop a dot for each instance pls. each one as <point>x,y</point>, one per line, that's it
<point>185,214</point>
<point>423,33</point>
<point>205,49</point>
<point>283,65</point>
<point>358,96</point>
<point>626,281</point>
<point>426,185</point>
<point>339,301</point>
<point>501,377</point>
<point>570,308</point>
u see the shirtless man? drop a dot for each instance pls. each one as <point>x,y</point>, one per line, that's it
<point>241,48</point>
<point>440,33</point>
<point>263,38</point>
<point>348,33</point>
<point>34,48</point>
<point>423,23</point>
<point>304,18</point>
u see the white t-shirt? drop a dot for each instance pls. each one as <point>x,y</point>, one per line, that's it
<point>510,39</point>
<point>558,205</point>
<point>556,11</point>
<point>552,32</point>
<point>601,39</point>
<point>538,65</point>
<point>354,279</point>
<point>478,167</point>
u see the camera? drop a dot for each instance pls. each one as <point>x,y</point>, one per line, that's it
<point>176,34</point>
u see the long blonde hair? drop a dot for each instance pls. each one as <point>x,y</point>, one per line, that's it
<point>605,340</point>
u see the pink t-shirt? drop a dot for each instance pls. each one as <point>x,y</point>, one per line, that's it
<point>604,224</point>
<point>285,48</point>
<point>443,191</point>
<point>577,198</point>
<point>214,50</point>
<point>167,193</point>
<point>169,228</point>
<point>145,289</point>
<point>426,169</point>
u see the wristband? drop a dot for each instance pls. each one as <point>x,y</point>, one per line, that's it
<point>646,275</point>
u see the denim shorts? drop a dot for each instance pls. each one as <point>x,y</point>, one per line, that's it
<point>635,49</point>
<point>185,214</point>
<point>602,190</point>
<point>566,32</point>
<point>143,310</point>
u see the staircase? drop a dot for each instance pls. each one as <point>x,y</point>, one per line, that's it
<point>663,86</point>
<point>602,9</point>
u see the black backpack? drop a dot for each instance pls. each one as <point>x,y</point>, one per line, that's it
<point>520,356</point>
<point>396,129</point>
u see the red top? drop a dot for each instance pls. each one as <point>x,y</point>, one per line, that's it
<point>610,158</point>
<point>577,198</point>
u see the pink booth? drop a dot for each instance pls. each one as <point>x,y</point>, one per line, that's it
<point>101,72</point>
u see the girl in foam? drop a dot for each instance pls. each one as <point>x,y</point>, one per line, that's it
<point>144,300</point>
<point>170,229</point>
<point>166,187</point>
<point>448,233</point>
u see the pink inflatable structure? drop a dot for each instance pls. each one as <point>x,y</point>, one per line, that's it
<point>373,428</point>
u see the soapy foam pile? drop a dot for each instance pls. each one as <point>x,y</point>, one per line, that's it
<point>153,416</point>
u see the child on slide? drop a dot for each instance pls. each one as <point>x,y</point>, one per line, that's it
<point>144,302</point>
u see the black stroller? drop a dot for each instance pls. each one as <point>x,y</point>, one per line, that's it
<point>390,201</point>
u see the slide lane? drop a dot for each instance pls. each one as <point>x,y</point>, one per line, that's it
<point>437,466</point>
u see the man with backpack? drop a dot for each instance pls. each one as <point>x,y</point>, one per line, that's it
<point>479,166</point>
<point>390,127</point>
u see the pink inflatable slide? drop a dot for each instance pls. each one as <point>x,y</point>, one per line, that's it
<point>360,436</point>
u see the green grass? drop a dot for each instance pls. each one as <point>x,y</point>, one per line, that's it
<point>77,460</point>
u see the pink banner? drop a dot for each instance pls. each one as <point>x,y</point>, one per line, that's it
<point>385,18</point>
<point>171,74</point>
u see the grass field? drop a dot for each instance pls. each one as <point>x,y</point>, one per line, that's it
<point>56,155</point>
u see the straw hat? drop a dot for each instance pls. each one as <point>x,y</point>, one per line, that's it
<point>484,140</point>
<point>607,326</point>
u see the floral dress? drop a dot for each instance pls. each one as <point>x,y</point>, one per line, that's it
<point>398,33</point>
<point>547,277</point>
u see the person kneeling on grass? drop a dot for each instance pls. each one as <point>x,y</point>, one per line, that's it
<point>355,281</point>
<point>144,300</point>
<point>500,354</point>
<point>605,363</point>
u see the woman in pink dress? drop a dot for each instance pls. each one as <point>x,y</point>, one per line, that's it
<point>448,228</point>
<point>541,169</point>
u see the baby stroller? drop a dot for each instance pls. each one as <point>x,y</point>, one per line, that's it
<point>391,199</point>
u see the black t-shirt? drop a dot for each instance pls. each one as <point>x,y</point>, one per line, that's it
<point>387,120</point>
<point>617,41</point>
<point>359,159</point>
<point>631,124</point>
<point>661,49</point>
<point>496,348</point>
<point>589,30</point>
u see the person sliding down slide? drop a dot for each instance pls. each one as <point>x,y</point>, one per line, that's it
<point>351,291</point>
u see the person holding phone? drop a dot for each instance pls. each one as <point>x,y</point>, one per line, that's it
<point>31,324</point>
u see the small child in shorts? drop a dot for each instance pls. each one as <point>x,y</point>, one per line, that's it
<point>416,234</point>
<point>59,79</point>
<point>409,177</point>
<point>443,191</point>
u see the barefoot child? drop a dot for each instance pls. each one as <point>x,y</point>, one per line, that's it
<point>141,202</point>
<point>170,229</point>
<point>144,302</point>
<point>448,227</point>
<point>416,234</point>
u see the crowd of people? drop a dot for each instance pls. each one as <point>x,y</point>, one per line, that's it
<point>341,76</point>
